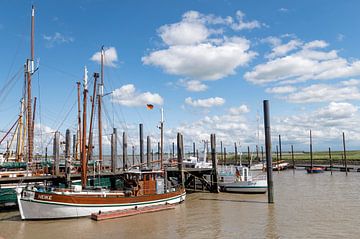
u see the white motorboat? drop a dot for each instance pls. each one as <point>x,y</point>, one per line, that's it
<point>237,179</point>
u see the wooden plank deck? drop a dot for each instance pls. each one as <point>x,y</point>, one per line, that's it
<point>100,216</point>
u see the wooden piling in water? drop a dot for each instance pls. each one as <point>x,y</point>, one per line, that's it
<point>141,144</point>
<point>124,151</point>
<point>56,153</point>
<point>215,187</point>
<point>114,151</point>
<point>331,165</point>
<point>311,154</point>
<point>346,169</point>
<point>224,155</point>
<point>133,155</point>
<point>235,148</point>
<point>148,151</point>
<point>74,146</point>
<point>67,157</point>
<point>221,152</point>
<point>293,159</point>
<point>280,151</point>
<point>268,151</point>
<point>173,150</point>
<point>277,159</point>
<point>249,157</point>
<point>180,159</point>
<point>194,149</point>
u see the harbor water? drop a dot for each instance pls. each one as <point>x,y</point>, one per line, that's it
<point>306,206</point>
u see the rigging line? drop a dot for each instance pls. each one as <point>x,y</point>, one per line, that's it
<point>21,42</point>
<point>61,71</point>
<point>5,90</point>
<point>9,130</point>
<point>66,116</point>
<point>40,113</point>
<point>68,98</point>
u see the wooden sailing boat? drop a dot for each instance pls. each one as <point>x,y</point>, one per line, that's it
<point>141,188</point>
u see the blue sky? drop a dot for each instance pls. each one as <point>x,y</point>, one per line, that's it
<point>209,64</point>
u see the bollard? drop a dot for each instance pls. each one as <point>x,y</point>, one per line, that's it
<point>268,151</point>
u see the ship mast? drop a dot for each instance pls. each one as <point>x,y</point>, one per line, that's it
<point>100,94</point>
<point>83,144</point>
<point>78,143</point>
<point>30,70</point>
<point>19,145</point>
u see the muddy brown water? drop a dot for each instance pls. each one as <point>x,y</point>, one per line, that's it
<point>306,206</point>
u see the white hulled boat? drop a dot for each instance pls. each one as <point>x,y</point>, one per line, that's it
<point>238,180</point>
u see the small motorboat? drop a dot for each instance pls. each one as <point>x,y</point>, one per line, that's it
<point>241,181</point>
<point>315,169</point>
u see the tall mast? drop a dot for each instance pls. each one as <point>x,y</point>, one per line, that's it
<point>19,149</point>
<point>161,138</point>
<point>90,144</point>
<point>100,94</point>
<point>78,143</point>
<point>83,145</point>
<point>30,70</point>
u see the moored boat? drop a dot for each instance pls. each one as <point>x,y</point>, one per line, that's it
<point>315,169</point>
<point>241,181</point>
<point>144,189</point>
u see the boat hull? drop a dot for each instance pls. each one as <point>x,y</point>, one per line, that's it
<point>245,187</point>
<point>67,207</point>
<point>315,170</point>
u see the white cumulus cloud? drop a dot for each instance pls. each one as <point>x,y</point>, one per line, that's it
<point>205,103</point>
<point>194,85</point>
<point>205,61</point>
<point>241,24</point>
<point>239,110</point>
<point>110,57</point>
<point>197,49</point>
<point>324,93</point>
<point>281,89</point>
<point>128,96</point>
<point>310,62</point>
<point>56,39</point>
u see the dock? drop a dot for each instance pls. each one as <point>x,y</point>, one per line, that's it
<point>100,216</point>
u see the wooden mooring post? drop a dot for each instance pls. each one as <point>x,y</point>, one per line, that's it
<point>224,155</point>
<point>180,151</point>
<point>141,144</point>
<point>331,164</point>
<point>235,148</point>
<point>221,152</point>
<point>114,151</point>
<point>277,159</point>
<point>215,186</point>
<point>133,155</point>
<point>67,157</point>
<point>280,151</point>
<point>249,157</point>
<point>268,151</point>
<point>124,149</point>
<point>148,151</point>
<point>311,154</point>
<point>346,169</point>
<point>56,153</point>
<point>293,159</point>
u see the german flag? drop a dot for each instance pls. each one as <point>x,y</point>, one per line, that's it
<point>149,106</point>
